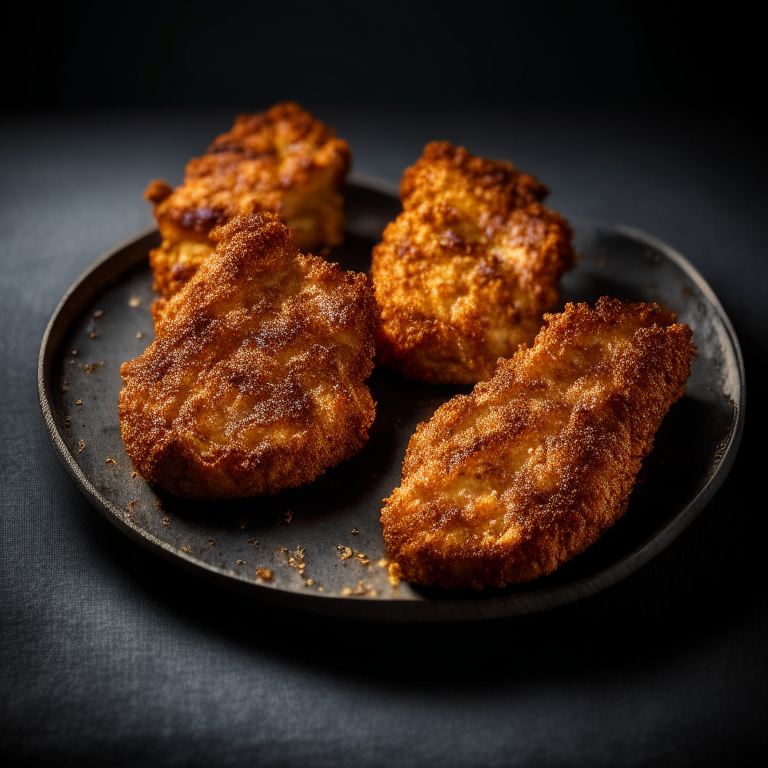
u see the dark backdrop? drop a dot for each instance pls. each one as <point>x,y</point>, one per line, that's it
<point>407,53</point>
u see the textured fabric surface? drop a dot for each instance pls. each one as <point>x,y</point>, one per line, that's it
<point>111,656</point>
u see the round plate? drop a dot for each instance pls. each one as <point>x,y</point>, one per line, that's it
<point>323,542</point>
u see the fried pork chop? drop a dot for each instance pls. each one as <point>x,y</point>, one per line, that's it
<point>464,274</point>
<point>255,380</point>
<point>505,484</point>
<point>282,161</point>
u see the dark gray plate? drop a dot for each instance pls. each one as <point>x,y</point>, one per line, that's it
<point>105,318</point>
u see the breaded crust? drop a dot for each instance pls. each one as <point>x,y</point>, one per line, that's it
<point>255,380</point>
<point>464,274</point>
<point>507,483</point>
<point>282,161</point>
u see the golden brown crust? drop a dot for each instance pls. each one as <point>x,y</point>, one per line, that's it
<point>464,274</point>
<point>506,484</point>
<point>282,161</point>
<point>255,380</point>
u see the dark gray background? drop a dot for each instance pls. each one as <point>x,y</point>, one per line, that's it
<point>111,656</point>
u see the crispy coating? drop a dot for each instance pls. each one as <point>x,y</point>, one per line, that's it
<point>255,380</point>
<point>464,274</point>
<point>282,160</point>
<point>507,483</point>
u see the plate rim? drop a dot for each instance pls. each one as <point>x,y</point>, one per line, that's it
<point>393,609</point>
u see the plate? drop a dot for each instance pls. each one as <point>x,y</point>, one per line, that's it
<point>323,542</point>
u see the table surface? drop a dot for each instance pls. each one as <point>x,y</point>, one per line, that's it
<point>112,656</point>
